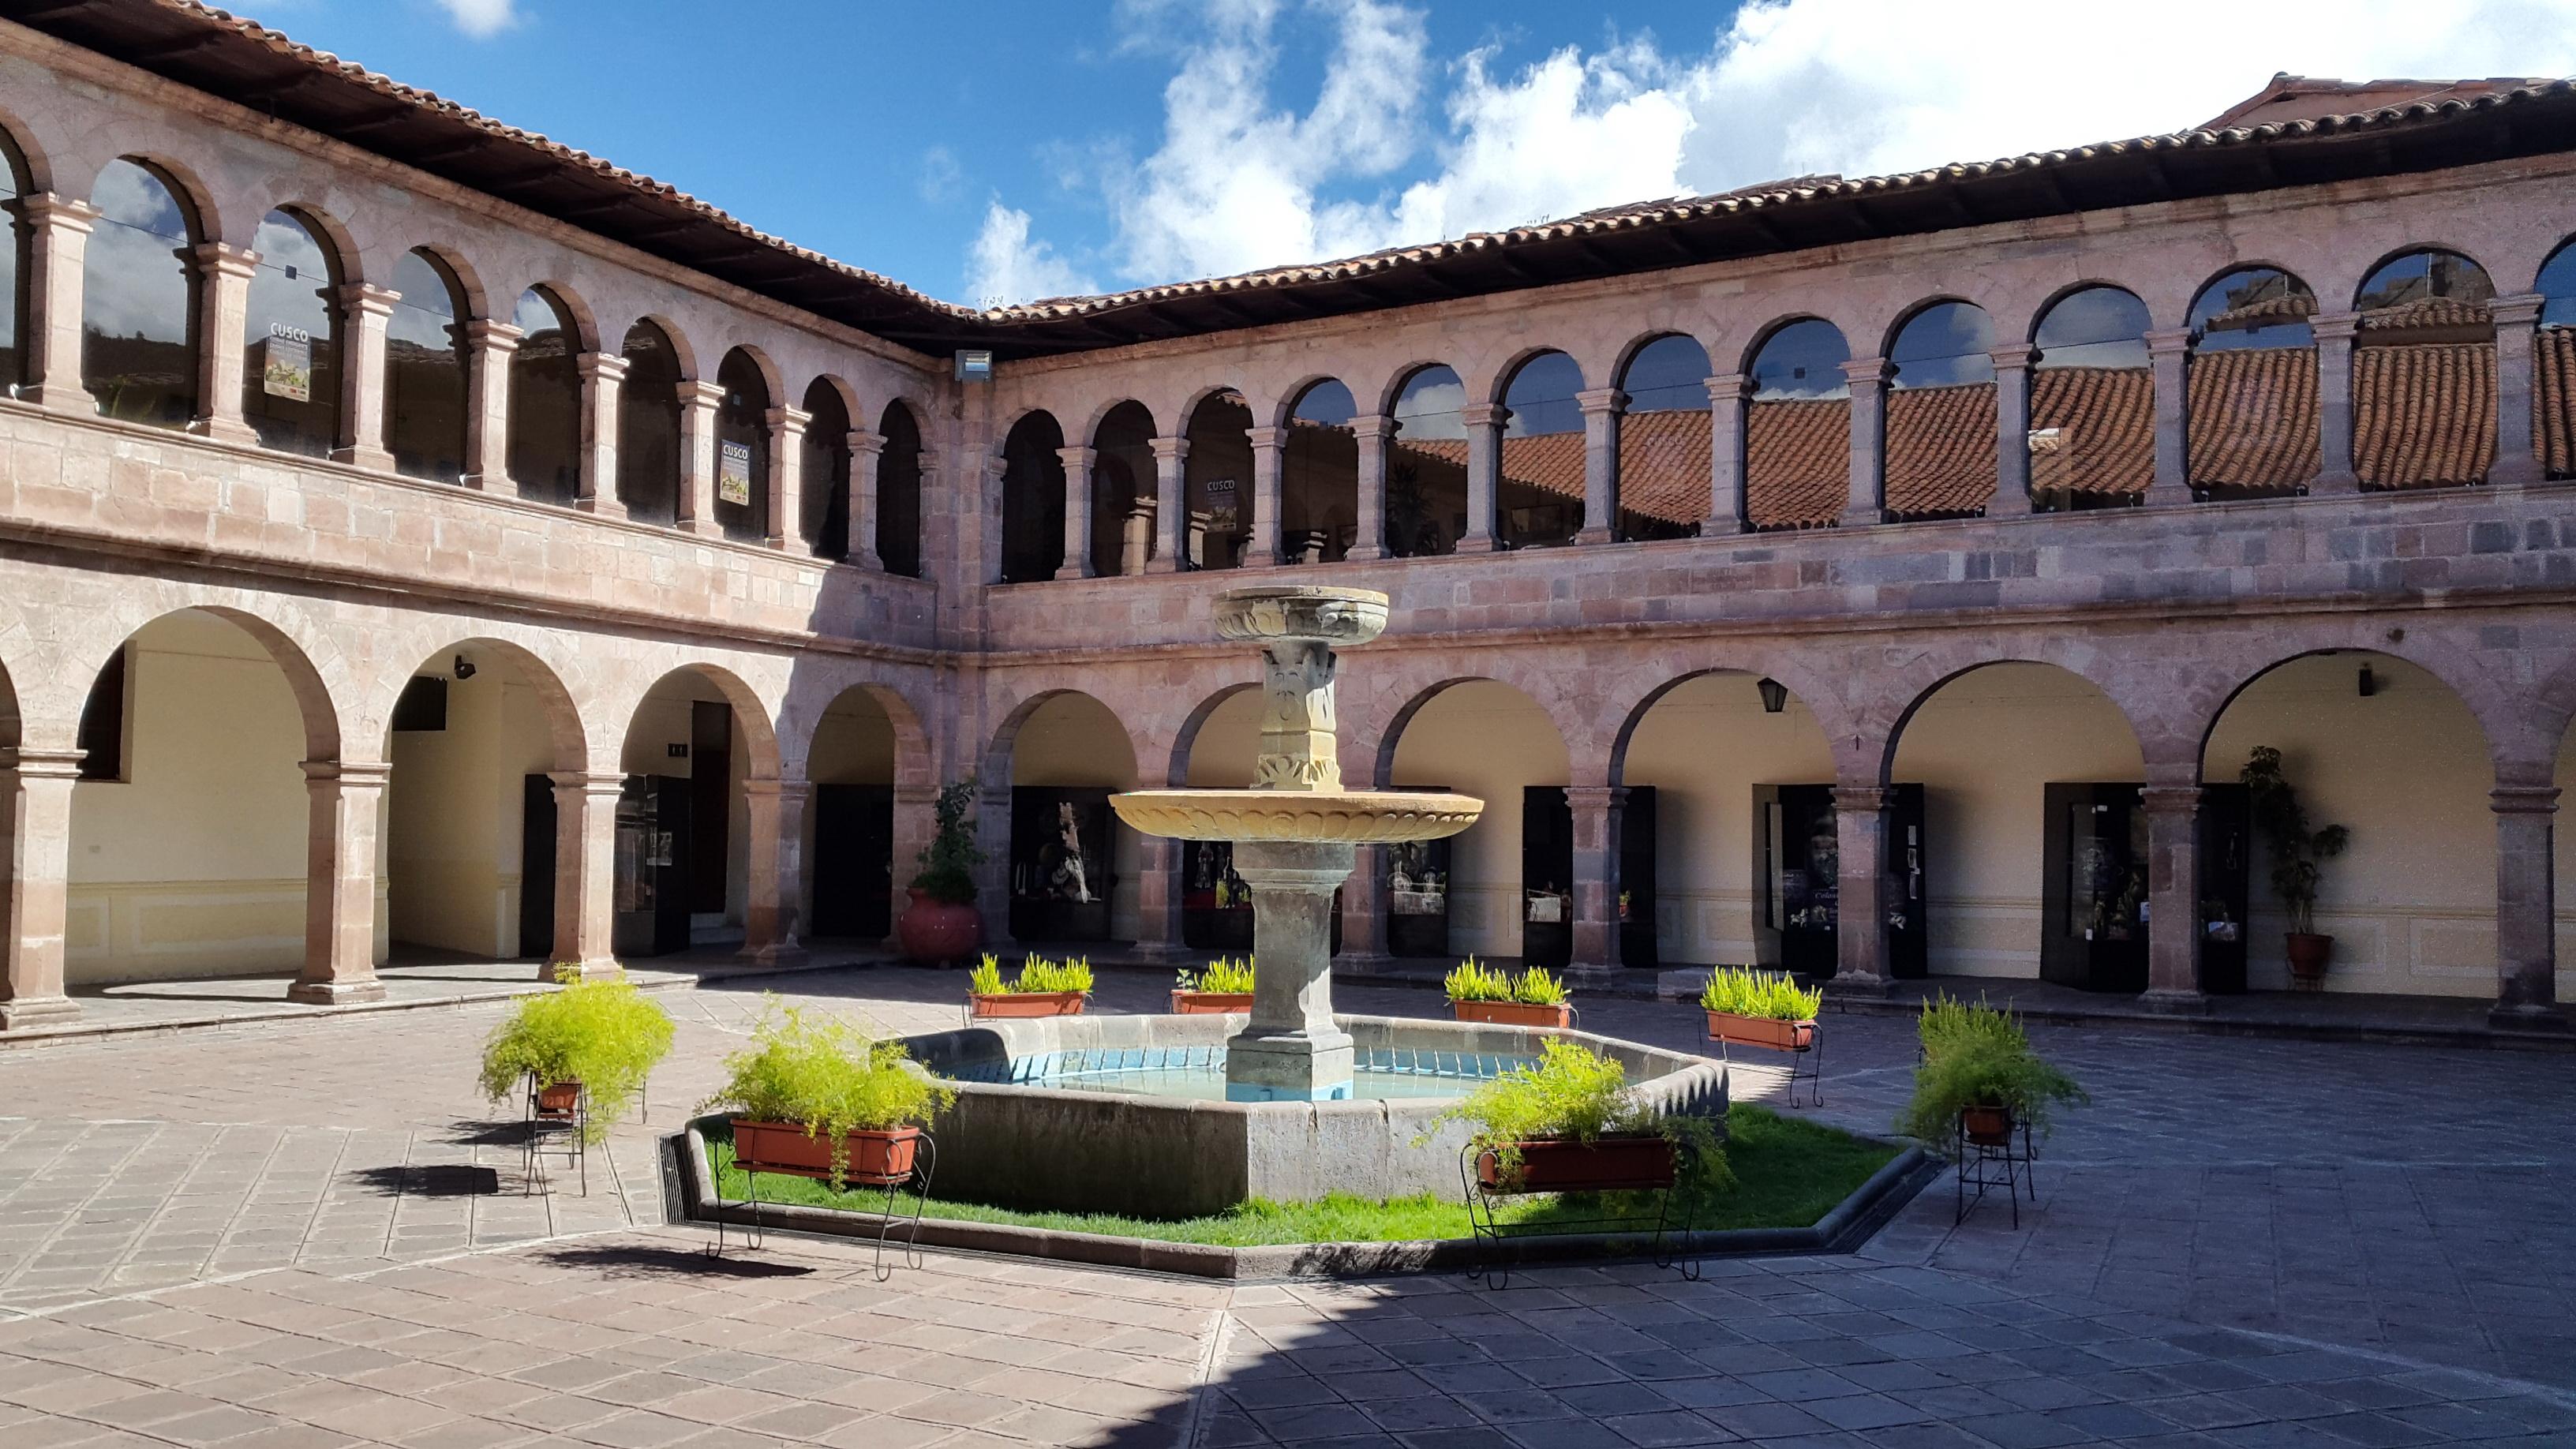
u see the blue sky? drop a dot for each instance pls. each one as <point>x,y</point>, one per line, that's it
<point>1006,149</point>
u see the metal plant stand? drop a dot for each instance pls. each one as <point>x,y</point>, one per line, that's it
<point>925,1162</point>
<point>1487,1265</point>
<point>1806,1062</point>
<point>2010,1164</point>
<point>571,1123</point>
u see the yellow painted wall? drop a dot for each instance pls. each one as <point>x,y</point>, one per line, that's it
<point>1489,740</point>
<point>662,720</point>
<point>2411,904</point>
<point>454,811</point>
<point>1073,739</point>
<point>1704,747</point>
<point>1229,743</point>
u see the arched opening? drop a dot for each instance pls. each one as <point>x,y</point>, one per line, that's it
<point>425,370</point>
<point>1664,440</point>
<point>1122,491</point>
<point>1797,427</point>
<point>1504,888</point>
<point>1730,795</point>
<point>1218,751</point>
<point>14,266</point>
<point>1426,470</point>
<point>470,810</point>
<point>2092,403</point>
<point>1540,501</point>
<point>2250,400</point>
<point>291,341</point>
<point>683,823</point>
<point>2424,373</point>
<point>139,299</point>
<point>1941,413</point>
<point>849,820</point>
<point>1319,481</point>
<point>648,426</point>
<point>545,399</point>
<point>899,493</point>
<point>2385,748</point>
<point>1032,500</point>
<point>1073,867</point>
<point>1216,501</point>
<point>190,820</point>
<point>823,472</point>
<point>2033,857</point>
<point>2553,401</point>
<point>742,448</point>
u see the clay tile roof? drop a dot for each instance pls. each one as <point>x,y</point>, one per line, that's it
<point>2553,420</point>
<point>1797,461</point>
<point>1663,465</point>
<point>2429,313</point>
<point>2423,416</point>
<point>2104,430</point>
<point>2290,307</point>
<point>2252,419</point>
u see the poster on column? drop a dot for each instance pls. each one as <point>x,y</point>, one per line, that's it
<point>733,473</point>
<point>286,363</point>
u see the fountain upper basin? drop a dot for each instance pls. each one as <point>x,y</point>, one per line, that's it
<point>1356,817</point>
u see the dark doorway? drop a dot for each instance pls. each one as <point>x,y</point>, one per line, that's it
<point>2095,925</point>
<point>853,861</point>
<point>1797,864</point>
<point>1063,873</point>
<point>1547,877</point>
<point>652,866</point>
<point>710,803</point>
<point>537,868</point>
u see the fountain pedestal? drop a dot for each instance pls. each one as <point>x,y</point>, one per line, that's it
<point>1291,1050</point>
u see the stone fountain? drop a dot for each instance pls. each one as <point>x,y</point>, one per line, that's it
<point>1296,833</point>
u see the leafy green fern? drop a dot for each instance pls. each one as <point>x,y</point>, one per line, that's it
<point>1767,995</point>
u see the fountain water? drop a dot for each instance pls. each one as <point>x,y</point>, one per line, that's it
<point>1296,832</point>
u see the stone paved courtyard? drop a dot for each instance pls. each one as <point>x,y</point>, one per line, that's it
<point>317,1234</point>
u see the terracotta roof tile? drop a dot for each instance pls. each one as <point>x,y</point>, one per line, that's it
<point>2105,422</point>
<point>2423,416</point>
<point>2252,418</point>
<point>1797,461</point>
<point>2553,412</point>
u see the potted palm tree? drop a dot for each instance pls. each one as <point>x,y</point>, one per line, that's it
<point>1224,985</point>
<point>1481,993</point>
<point>2298,852</point>
<point>941,926</point>
<point>816,1097</point>
<point>595,1039</point>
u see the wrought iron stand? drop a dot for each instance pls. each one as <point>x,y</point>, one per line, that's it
<point>1807,1062</point>
<point>925,1162</point>
<point>2008,1164</point>
<point>573,1121</point>
<point>1487,1265</point>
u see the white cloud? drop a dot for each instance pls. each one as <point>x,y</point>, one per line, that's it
<point>1005,266</point>
<point>481,19</point>
<point>1241,181</point>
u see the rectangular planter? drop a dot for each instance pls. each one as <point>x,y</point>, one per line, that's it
<point>1031,1003</point>
<point>1210,1003</point>
<point>1514,1013</point>
<point>1768,1033</point>
<point>874,1157</point>
<point>1607,1164</point>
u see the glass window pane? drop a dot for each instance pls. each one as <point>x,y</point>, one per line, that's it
<point>2424,373</point>
<point>1216,499</point>
<point>425,372</point>
<point>138,357</point>
<point>1319,483</point>
<point>291,341</point>
<point>1541,497</point>
<point>545,401</point>
<point>823,472</point>
<point>13,267</point>
<point>2092,403</point>
<point>2251,399</point>
<point>2554,366</point>
<point>1941,441</point>
<point>1426,466</point>
<point>742,449</point>
<point>648,426</point>
<point>1122,490</point>
<point>1664,440</point>
<point>1797,428</point>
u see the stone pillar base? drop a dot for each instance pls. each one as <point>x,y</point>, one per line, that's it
<point>776,953</point>
<point>1475,543</point>
<point>1168,953</point>
<point>373,459</point>
<point>224,430</point>
<point>1856,983</point>
<point>600,507</point>
<point>1861,518</point>
<point>2339,483</point>
<point>1589,536</point>
<point>600,968</point>
<point>1720,527</point>
<point>1364,553</point>
<point>335,993</point>
<point>37,1011</point>
<point>2517,1017</point>
<point>1288,1067</point>
<point>2175,1003</point>
<point>702,527</point>
<point>1162,564</point>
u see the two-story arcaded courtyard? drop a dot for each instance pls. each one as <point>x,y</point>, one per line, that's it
<point>421,541</point>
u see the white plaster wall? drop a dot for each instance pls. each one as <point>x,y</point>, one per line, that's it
<point>1229,745</point>
<point>454,810</point>
<point>1486,739</point>
<point>1073,739</point>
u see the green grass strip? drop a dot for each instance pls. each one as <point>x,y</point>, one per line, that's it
<point>1789,1173</point>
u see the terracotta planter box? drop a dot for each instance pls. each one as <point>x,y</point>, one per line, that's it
<point>1609,1164</point>
<point>1514,1013</point>
<point>1987,1126</point>
<point>1031,1003</point>
<point>875,1157</point>
<point>1210,1003</point>
<point>558,1099</point>
<point>1769,1033</point>
<point>2309,954</point>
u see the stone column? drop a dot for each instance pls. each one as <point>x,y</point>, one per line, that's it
<point>36,791</point>
<point>867,449</point>
<point>1171,489</point>
<point>1867,502</point>
<point>1364,908</point>
<point>2334,333</point>
<point>1860,926</point>
<point>2515,465</point>
<point>774,834</point>
<point>1601,408</point>
<point>786,480</point>
<point>993,877</point>
<point>487,406</point>
<point>223,315</point>
<point>1597,810</point>
<point>2526,906</point>
<point>585,873</point>
<point>1291,1049</point>
<point>1269,461</point>
<point>2168,360</point>
<point>915,822</point>
<point>697,506</point>
<point>2173,897</point>
<point>1078,463</point>
<point>602,375</point>
<point>57,250</point>
<point>2012,432</point>
<point>1370,432</point>
<point>1158,898</point>
<point>1728,392</point>
<point>1484,424</point>
<point>364,312</point>
<point>346,799</point>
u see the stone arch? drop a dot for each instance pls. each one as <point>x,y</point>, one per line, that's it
<point>812,696</point>
<point>565,731</point>
<point>681,350</point>
<point>2458,682</point>
<point>1199,395</point>
<point>2048,304</point>
<point>1763,334</point>
<point>1864,759</point>
<point>1494,385</point>
<point>2415,248</point>
<point>585,322</point>
<point>770,376</point>
<point>289,639</point>
<point>2493,703</point>
<point>1185,739</point>
<point>1807,686</point>
<point>1402,375</point>
<point>849,395</point>
<point>993,768</point>
<point>477,299</point>
<point>337,240</point>
<point>1099,414</point>
<point>196,200</point>
<point>760,732</point>
<point>35,165</point>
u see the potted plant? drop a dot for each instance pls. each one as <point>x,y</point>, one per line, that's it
<point>1565,1123</point>
<point>1979,1079</point>
<point>2297,853</point>
<point>600,1038</point>
<point>818,1098</point>
<point>941,925</point>
<point>1760,1009</point>
<point>1533,998</point>
<point>1043,987</point>
<point>1224,985</point>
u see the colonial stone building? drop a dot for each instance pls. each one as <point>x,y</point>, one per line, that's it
<point>419,540</point>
